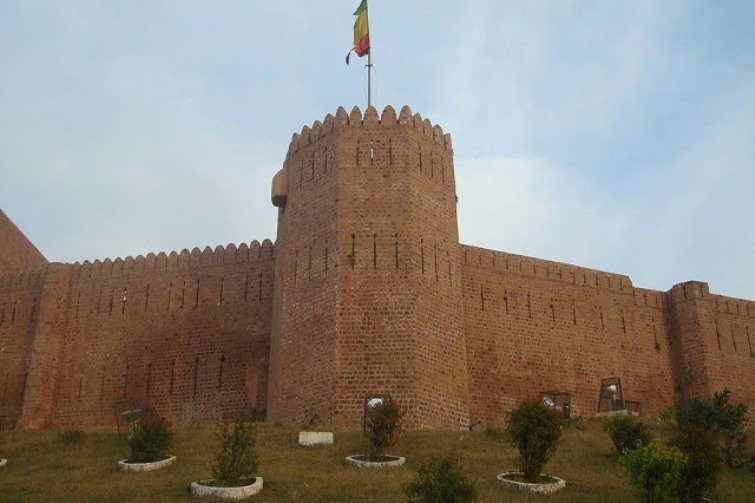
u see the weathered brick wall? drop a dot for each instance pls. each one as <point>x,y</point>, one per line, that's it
<point>20,294</point>
<point>714,346</point>
<point>359,308</point>
<point>534,325</point>
<point>17,253</point>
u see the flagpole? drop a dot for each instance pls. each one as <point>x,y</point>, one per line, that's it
<point>369,78</point>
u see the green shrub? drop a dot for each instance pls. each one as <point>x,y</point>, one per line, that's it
<point>71,437</point>
<point>718,415</point>
<point>655,473</point>
<point>441,480</point>
<point>626,432</point>
<point>704,462</point>
<point>382,426</point>
<point>534,429</point>
<point>150,439</point>
<point>237,458</point>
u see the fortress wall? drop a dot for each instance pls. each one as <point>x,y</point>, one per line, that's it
<point>17,253</point>
<point>188,331</point>
<point>20,294</point>
<point>715,342</point>
<point>302,365</point>
<point>534,325</point>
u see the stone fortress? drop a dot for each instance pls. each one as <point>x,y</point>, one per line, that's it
<point>367,290</point>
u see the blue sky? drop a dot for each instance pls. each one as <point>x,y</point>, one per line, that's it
<point>613,135</point>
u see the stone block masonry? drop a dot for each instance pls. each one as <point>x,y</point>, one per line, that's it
<point>366,291</point>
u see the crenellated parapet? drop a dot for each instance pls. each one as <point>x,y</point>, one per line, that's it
<point>355,119</point>
<point>185,259</point>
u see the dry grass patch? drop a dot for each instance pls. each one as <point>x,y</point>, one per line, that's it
<point>56,466</point>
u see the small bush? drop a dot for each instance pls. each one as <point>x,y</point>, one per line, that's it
<point>655,473</point>
<point>534,429</point>
<point>71,437</point>
<point>704,462</point>
<point>150,439</point>
<point>237,458</point>
<point>441,479</point>
<point>382,426</point>
<point>718,415</point>
<point>626,432</point>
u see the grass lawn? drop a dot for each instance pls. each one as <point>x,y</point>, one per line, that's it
<point>70,466</point>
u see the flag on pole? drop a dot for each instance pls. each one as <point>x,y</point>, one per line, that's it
<point>361,32</point>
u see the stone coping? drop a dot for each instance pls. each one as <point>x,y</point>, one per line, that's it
<point>125,466</point>
<point>307,438</point>
<point>541,488</point>
<point>355,460</point>
<point>202,488</point>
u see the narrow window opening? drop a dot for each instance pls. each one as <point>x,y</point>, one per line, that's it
<point>259,290</point>
<point>222,286</point>
<point>33,308</point>
<point>172,375</point>
<point>196,298</point>
<point>374,251</point>
<point>506,301</point>
<point>13,314</point>
<point>372,153</point>
<point>149,377</point>
<point>102,384</point>
<point>183,295</point>
<point>5,387</point>
<point>422,254</point>
<point>112,299</point>
<point>390,152</point>
<point>220,373</point>
<point>2,314</point>
<point>196,376</point>
<point>574,315</point>
<point>309,264</point>
<point>246,287</point>
<point>623,324</point>
<point>125,296</point>
<point>553,313</point>
<point>749,344</point>
<point>396,250</point>
<point>353,256</point>
<point>325,255</point>
<point>733,340</point>
<point>81,385</point>
<point>146,299</point>
<point>602,321</point>
<point>718,337</point>
<point>170,295</point>
<point>420,162</point>
<point>78,303</point>
<point>125,381</point>
<point>482,297</point>
<point>435,258</point>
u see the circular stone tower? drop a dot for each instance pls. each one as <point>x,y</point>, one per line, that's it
<point>368,275</point>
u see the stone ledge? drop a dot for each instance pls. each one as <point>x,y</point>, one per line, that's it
<point>125,466</point>
<point>307,438</point>
<point>540,488</point>
<point>202,488</point>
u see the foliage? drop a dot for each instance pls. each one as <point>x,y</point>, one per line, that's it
<point>704,462</point>
<point>150,439</point>
<point>718,415</point>
<point>655,473</point>
<point>534,429</point>
<point>237,458</point>
<point>626,432</point>
<point>382,426</point>
<point>71,437</point>
<point>441,479</point>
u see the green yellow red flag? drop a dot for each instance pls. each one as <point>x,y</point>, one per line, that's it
<point>361,32</point>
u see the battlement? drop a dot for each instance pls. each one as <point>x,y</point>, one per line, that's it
<point>343,119</point>
<point>544,269</point>
<point>185,259</point>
